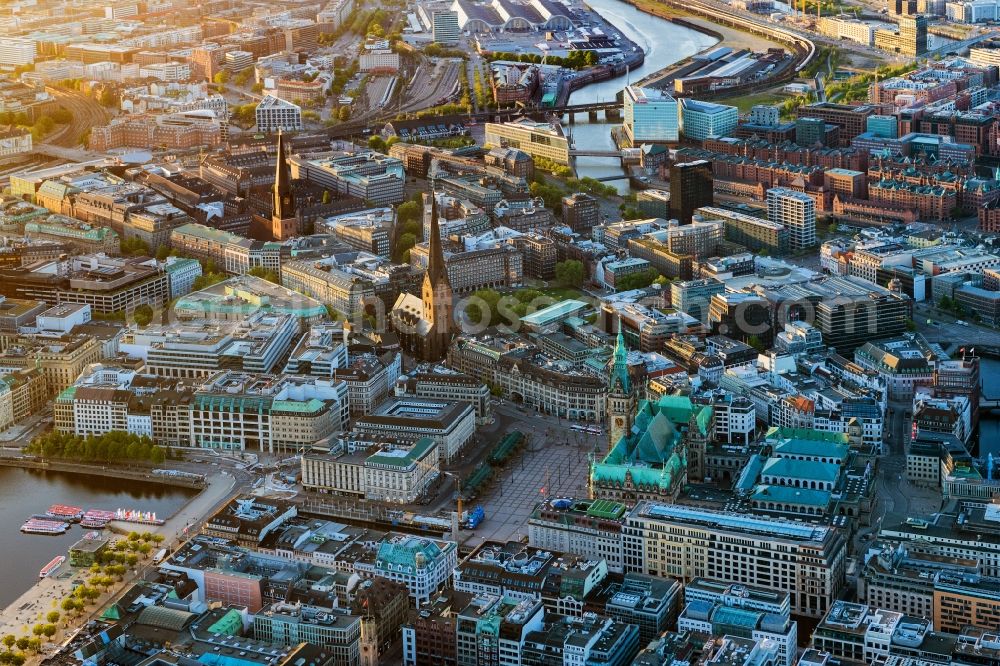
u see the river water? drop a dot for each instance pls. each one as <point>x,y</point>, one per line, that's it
<point>664,44</point>
<point>25,492</point>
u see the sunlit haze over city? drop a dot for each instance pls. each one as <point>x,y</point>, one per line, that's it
<point>500,332</point>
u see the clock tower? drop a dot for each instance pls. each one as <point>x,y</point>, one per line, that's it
<point>622,402</point>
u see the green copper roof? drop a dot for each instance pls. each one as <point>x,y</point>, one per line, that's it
<point>704,419</point>
<point>805,433</point>
<point>56,227</point>
<point>310,406</point>
<point>620,381</point>
<point>653,478</point>
<point>648,454</point>
<point>402,553</point>
<point>811,447</point>
<point>230,624</point>
<point>677,408</point>
<point>416,452</point>
<point>208,233</point>
<point>789,495</point>
<point>749,475</point>
<point>179,263</point>
<point>802,469</point>
<point>112,612</point>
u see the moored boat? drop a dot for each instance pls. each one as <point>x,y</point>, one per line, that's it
<point>34,526</point>
<point>51,566</point>
<point>136,516</point>
<point>96,518</point>
<point>62,511</point>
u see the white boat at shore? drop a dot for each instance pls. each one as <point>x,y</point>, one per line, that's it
<point>52,566</point>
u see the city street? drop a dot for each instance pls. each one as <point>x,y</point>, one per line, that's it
<point>897,499</point>
<point>950,335</point>
<point>22,433</point>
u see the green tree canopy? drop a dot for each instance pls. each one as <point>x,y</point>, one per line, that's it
<point>571,273</point>
<point>636,280</point>
<point>403,244</point>
<point>265,274</point>
<point>134,247</point>
<point>409,211</point>
<point>111,447</point>
<point>143,315</point>
<point>206,280</point>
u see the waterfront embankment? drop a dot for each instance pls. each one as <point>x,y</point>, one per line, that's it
<point>130,473</point>
<point>47,594</point>
<point>730,29</point>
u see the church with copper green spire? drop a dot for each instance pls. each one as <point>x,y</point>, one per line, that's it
<point>425,323</point>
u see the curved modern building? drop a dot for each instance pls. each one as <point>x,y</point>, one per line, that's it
<point>511,16</point>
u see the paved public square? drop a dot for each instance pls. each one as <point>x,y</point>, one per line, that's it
<point>555,464</point>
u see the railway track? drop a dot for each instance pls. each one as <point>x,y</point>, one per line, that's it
<point>86,112</point>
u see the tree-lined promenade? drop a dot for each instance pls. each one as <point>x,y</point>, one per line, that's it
<point>112,447</point>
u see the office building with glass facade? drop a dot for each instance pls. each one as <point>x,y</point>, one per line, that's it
<point>706,120</point>
<point>650,116</point>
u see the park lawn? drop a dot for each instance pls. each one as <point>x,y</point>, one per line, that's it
<point>554,291</point>
<point>562,293</point>
<point>746,102</point>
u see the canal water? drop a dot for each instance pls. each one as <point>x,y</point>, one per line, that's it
<point>25,492</point>
<point>664,44</point>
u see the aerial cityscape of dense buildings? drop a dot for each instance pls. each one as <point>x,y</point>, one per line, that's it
<point>500,332</point>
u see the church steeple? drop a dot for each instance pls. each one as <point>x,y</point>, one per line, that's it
<point>436,269</point>
<point>621,396</point>
<point>284,204</point>
<point>620,380</point>
<point>284,220</point>
<point>436,294</point>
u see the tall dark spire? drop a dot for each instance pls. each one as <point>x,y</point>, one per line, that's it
<point>436,295</point>
<point>437,273</point>
<point>284,205</point>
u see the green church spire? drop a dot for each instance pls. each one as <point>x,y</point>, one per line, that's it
<point>619,370</point>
